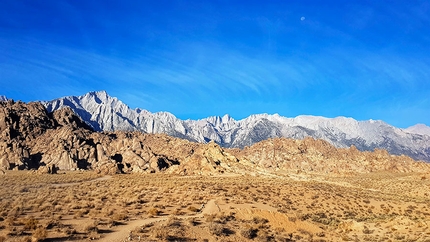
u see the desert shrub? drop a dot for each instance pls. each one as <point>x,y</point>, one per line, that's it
<point>264,236</point>
<point>193,209</point>
<point>292,219</point>
<point>178,211</point>
<point>119,216</point>
<point>16,211</point>
<point>192,221</point>
<point>69,230</point>
<point>30,223</point>
<point>53,223</point>
<point>345,238</point>
<point>160,233</point>
<point>153,211</point>
<point>107,211</point>
<point>216,229</point>
<point>210,217</point>
<point>366,230</point>
<point>249,232</point>
<point>10,221</point>
<point>225,217</point>
<point>92,227</point>
<point>26,239</point>
<point>39,234</point>
<point>173,222</point>
<point>259,220</point>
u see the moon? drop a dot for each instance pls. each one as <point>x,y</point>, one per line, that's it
<point>302,18</point>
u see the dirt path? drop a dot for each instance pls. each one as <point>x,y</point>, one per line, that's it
<point>122,232</point>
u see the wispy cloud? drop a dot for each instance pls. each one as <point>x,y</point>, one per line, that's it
<point>221,72</point>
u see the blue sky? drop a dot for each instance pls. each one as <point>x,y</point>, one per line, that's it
<point>360,59</point>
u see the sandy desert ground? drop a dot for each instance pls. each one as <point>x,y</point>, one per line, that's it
<point>83,206</point>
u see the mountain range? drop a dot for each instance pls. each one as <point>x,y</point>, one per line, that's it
<point>31,138</point>
<point>105,113</point>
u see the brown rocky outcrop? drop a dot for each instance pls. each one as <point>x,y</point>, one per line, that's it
<point>49,169</point>
<point>209,159</point>
<point>23,121</point>
<point>66,117</point>
<point>33,139</point>
<point>310,155</point>
<point>19,124</point>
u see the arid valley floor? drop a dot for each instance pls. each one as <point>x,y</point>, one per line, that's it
<point>82,206</point>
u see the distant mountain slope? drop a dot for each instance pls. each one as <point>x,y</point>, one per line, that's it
<point>419,129</point>
<point>107,113</point>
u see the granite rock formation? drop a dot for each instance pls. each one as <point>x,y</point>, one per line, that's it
<point>32,138</point>
<point>319,156</point>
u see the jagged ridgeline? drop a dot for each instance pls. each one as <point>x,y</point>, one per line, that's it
<point>33,138</point>
<point>105,113</point>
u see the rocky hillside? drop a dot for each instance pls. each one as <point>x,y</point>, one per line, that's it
<point>105,113</point>
<point>319,156</point>
<point>32,138</point>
